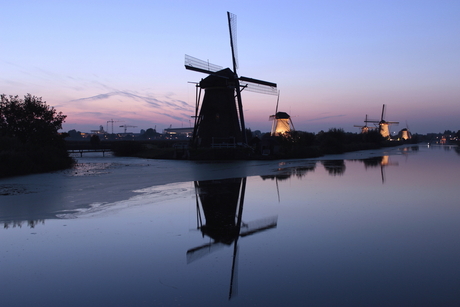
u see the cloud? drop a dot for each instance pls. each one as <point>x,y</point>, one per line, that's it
<point>325,117</point>
<point>172,116</point>
<point>178,105</point>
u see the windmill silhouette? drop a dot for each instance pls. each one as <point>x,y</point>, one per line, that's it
<point>282,122</point>
<point>222,205</point>
<point>219,121</point>
<point>365,128</point>
<point>383,124</point>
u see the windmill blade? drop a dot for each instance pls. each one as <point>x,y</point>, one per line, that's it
<point>393,123</point>
<point>201,251</point>
<point>258,86</point>
<point>257,81</point>
<point>277,102</point>
<point>233,291</point>
<point>382,174</point>
<point>195,64</point>
<point>259,225</point>
<point>383,112</point>
<point>232,30</point>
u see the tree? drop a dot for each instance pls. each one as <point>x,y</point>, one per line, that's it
<point>29,137</point>
<point>29,119</point>
<point>150,133</point>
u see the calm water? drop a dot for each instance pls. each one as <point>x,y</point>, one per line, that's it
<point>383,231</point>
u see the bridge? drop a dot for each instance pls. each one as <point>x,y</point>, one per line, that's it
<point>82,151</point>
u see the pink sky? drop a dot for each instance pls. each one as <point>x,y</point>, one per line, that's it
<point>334,62</point>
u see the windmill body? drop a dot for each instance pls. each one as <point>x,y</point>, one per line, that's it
<point>218,121</point>
<point>405,134</point>
<point>219,118</point>
<point>281,123</point>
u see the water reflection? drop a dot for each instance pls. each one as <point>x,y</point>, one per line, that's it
<point>30,223</point>
<point>222,206</point>
<point>287,172</point>
<point>382,162</point>
<point>334,167</point>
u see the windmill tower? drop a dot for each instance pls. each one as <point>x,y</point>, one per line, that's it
<point>282,122</point>
<point>219,120</point>
<point>384,126</point>
<point>365,128</point>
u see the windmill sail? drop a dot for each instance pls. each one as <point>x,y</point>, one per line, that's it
<point>258,86</point>
<point>195,64</point>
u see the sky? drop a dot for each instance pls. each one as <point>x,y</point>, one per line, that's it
<point>333,61</point>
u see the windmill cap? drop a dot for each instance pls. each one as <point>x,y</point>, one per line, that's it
<point>282,115</point>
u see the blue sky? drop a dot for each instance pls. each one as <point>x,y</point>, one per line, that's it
<point>334,61</point>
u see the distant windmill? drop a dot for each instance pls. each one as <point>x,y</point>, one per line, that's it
<point>282,122</point>
<point>220,119</point>
<point>383,124</point>
<point>365,128</point>
<point>405,133</point>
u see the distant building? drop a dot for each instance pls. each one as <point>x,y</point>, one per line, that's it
<point>100,131</point>
<point>178,133</point>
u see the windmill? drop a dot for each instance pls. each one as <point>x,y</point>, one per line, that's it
<point>383,124</point>
<point>405,133</point>
<point>365,128</point>
<point>282,122</point>
<point>220,119</point>
<point>222,205</point>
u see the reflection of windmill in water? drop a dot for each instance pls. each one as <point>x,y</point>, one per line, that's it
<point>299,172</point>
<point>282,122</point>
<point>382,161</point>
<point>220,120</point>
<point>222,205</point>
<point>384,126</point>
<point>365,128</point>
